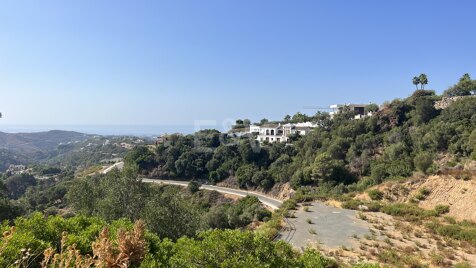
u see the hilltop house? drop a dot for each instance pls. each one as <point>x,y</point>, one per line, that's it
<point>358,109</point>
<point>278,132</point>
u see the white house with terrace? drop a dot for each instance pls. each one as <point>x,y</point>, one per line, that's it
<point>278,132</point>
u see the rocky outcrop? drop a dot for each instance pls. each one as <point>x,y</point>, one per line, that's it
<point>447,101</point>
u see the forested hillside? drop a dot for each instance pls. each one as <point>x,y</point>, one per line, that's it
<point>404,136</point>
<point>30,143</point>
<point>62,148</point>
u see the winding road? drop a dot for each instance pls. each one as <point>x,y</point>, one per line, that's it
<point>273,203</point>
<point>334,227</point>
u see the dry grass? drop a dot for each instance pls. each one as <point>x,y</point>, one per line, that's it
<point>130,251</point>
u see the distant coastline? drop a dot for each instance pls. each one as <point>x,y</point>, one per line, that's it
<point>119,130</point>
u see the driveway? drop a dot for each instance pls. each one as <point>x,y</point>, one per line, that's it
<point>330,227</point>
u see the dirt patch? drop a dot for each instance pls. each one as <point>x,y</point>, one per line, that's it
<point>230,182</point>
<point>459,195</point>
<point>334,203</point>
<point>397,243</point>
<point>282,191</point>
<point>232,196</point>
<point>279,191</point>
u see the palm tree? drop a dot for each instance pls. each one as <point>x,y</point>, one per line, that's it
<point>423,80</point>
<point>416,81</point>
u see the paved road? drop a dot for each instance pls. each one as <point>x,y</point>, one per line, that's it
<point>334,227</point>
<point>266,200</point>
<point>119,165</point>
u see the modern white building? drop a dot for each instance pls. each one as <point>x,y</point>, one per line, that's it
<point>359,110</point>
<point>280,133</point>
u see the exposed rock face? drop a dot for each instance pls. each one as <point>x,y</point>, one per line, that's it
<point>447,101</point>
<point>282,191</point>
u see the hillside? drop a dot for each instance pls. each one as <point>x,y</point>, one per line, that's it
<point>63,148</point>
<point>38,142</point>
<point>430,191</point>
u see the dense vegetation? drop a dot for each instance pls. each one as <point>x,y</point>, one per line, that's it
<point>90,241</point>
<point>404,136</point>
<point>88,219</point>
<point>168,211</point>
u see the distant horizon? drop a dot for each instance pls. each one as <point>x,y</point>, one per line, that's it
<point>100,129</point>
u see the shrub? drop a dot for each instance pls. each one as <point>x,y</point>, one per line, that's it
<point>378,172</point>
<point>442,209</point>
<point>375,194</point>
<point>193,186</point>
<point>437,259</point>
<point>423,161</point>
<point>311,258</point>
<point>422,194</point>
<point>462,265</point>
<point>408,211</point>
<point>352,204</point>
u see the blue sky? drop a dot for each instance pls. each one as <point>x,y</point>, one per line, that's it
<point>173,62</point>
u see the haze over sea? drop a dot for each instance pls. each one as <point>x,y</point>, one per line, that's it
<point>133,130</point>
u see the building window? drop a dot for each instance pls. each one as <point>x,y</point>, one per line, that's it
<point>278,139</point>
<point>272,131</point>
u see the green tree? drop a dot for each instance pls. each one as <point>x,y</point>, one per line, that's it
<point>244,174</point>
<point>371,108</point>
<point>425,110</point>
<point>111,196</point>
<point>323,167</point>
<point>287,118</point>
<point>10,209</point>
<point>423,161</point>
<point>416,81</point>
<point>464,87</point>
<point>472,143</point>
<point>423,80</point>
<point>141,157</point>
<point>169,215</point>
<point>17,185</point>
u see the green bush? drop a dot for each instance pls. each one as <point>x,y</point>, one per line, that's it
<point>375,194</point>
<point>194,186</point>
<point>352,204</point>
<point>408,211</point>
<point>423,161</point>
<point>462,231</point>
<point>442,209</point>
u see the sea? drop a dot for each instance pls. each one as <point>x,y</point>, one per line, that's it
<point>114,130</point>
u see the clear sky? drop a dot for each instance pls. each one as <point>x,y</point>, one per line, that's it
<point>173,62</point>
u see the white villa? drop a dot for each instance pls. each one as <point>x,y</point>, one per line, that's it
<point>282,132</point>
<point>278,132</point>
